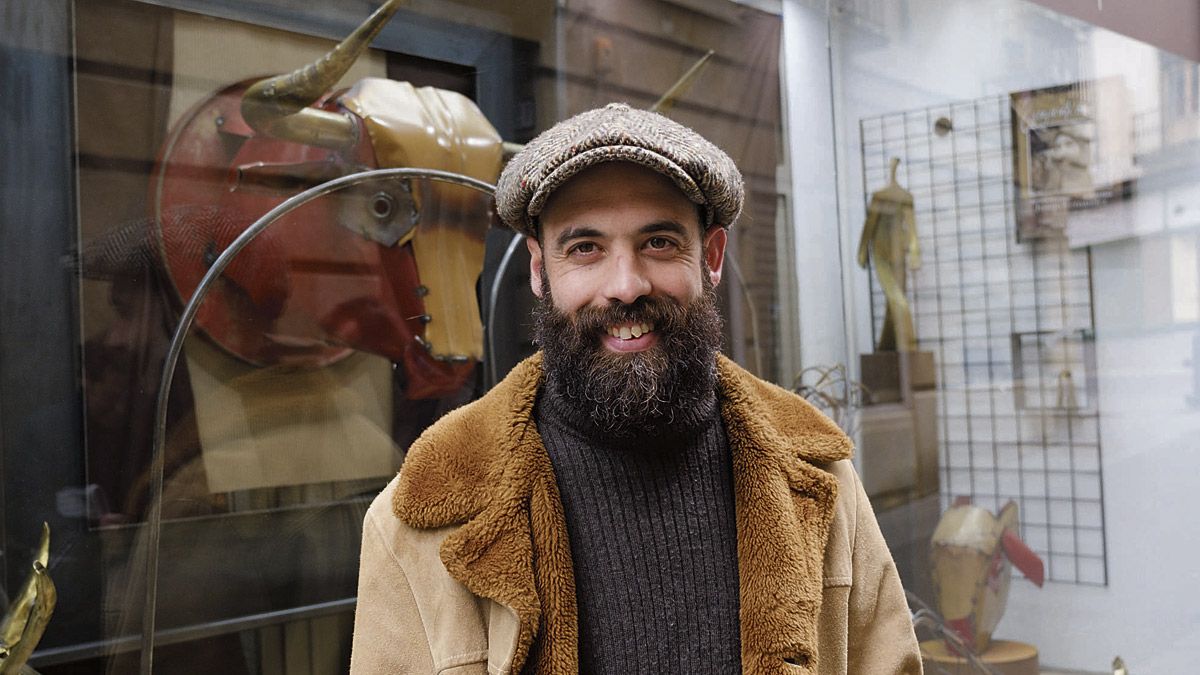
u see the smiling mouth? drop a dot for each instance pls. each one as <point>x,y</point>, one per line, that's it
<point>630,331</point>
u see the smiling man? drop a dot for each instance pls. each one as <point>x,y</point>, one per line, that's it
<point>627,321</point>
<point>628,500</point>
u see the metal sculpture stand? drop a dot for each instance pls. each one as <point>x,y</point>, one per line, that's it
<point>924,617</point>
<point>175,349</point>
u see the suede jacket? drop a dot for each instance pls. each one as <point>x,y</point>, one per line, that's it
<point>466,567</point>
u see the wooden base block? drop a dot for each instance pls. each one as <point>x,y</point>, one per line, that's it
<point>890,377</point>
<point>1003,656</point>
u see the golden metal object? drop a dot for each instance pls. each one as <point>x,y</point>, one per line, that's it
<point>667,100</point>
<point>511,149</point>
<point>278,106</point>
<point>27,616</point>
<point>1066,399</point>
<point>890,235</point>
<point>662,105</point>
<point>438,129</point>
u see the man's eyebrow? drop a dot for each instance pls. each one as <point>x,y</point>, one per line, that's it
<point>672,226</point>
<point>572,233</point>
<point>585,232</point>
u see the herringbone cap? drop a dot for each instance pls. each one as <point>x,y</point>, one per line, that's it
<point>618,133</point>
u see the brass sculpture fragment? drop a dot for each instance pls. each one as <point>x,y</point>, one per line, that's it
<point>889,239</point>
<point>26,618</point>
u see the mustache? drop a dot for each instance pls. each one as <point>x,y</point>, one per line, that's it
<point>664,313</point>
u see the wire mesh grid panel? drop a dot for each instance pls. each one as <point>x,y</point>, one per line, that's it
<point>1011,328</point>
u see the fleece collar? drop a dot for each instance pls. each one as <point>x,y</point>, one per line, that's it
<point>483,467</point>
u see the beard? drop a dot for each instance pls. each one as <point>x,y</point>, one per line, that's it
<point>667,389</point>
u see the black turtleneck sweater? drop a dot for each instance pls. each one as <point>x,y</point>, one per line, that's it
<point>653,541</point>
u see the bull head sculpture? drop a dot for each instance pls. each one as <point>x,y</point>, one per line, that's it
<point>973,555</point>
<point>397,278</point>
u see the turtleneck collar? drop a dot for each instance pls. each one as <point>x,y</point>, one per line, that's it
<point>682,428</point>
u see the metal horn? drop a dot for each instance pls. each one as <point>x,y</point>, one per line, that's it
<point>278,106</point>
<point>662,105</point>
<point>667,100</point>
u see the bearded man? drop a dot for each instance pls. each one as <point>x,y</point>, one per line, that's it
<point>628,500</point>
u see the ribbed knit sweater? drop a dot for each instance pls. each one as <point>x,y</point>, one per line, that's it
<point>653,541</point>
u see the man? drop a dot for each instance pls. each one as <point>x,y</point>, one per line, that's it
<point>628,500</point>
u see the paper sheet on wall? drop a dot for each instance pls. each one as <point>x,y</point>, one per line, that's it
<point>271,427</point>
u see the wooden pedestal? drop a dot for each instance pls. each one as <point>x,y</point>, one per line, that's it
<point>898,452</point>
<point>1002,656</point>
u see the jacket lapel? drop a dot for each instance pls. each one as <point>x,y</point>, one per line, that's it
<point>490,473</point>
<point>785,506</point>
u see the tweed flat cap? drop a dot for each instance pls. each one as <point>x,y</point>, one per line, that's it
<point>618,133</point>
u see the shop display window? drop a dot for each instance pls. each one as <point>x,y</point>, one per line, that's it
<point>335,337</point>
<point>971,237</point>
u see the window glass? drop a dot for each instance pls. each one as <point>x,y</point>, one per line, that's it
<point>330,341</point>
<point>1050,284</point>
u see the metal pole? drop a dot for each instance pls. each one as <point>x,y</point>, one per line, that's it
<point>176,347</point>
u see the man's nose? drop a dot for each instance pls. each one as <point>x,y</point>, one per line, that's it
<point>627,281</point>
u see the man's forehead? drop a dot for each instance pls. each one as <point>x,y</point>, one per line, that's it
<point>615,186</point>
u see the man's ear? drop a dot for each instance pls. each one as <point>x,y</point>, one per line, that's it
<point>535,265</point>
<point>714,252</point>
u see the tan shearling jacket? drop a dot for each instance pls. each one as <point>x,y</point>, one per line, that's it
<point>466,567</point>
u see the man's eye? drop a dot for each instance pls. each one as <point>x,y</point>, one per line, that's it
<point>584,248</point>
<point>659,243</point>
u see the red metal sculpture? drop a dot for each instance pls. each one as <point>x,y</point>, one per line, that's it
<point>389,269</point>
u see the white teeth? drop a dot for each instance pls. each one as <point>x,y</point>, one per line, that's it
<point>628,332</point>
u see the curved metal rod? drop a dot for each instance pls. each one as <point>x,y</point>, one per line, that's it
<point>188,317</point>
<point>493,298</point>
<point>926,617</point>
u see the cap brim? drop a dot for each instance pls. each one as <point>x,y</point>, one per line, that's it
<point>605,155</point>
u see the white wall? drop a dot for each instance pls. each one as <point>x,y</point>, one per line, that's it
<point>813,185</point>
<point>926,52</point>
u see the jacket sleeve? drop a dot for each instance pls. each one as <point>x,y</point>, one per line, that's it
<point>880,637</point>
<point>389,635</point>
